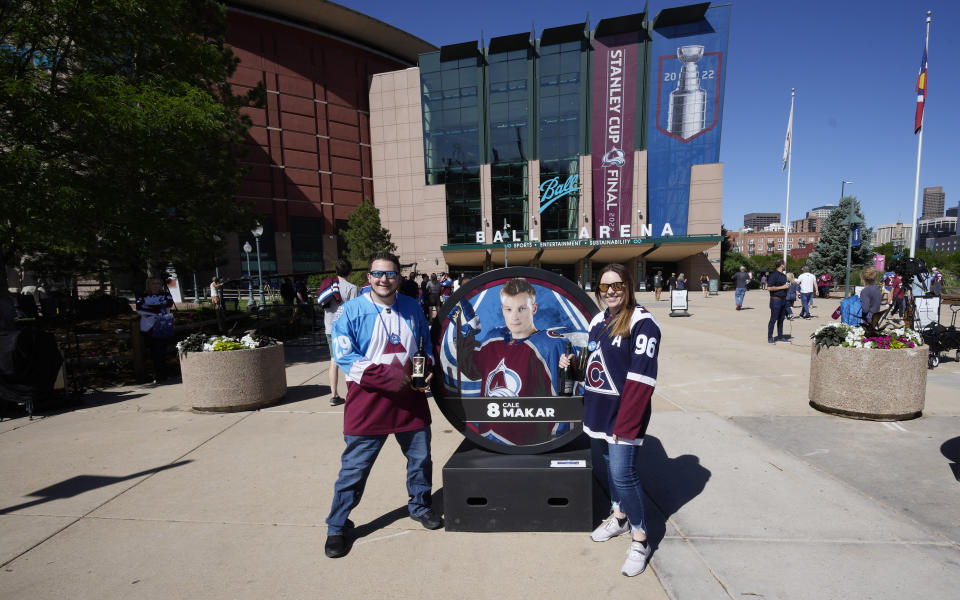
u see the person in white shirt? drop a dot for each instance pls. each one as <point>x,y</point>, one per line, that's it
<point>331,313</point>
<point>808,285</point>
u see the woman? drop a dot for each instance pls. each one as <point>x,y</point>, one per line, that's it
<point>156,325</point>
<point>791,294</point>
<point>704,284</point>
<point>870,294</point>
<point>624,345</point>
<point>681,282</point>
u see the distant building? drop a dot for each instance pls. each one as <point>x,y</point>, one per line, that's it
<point>928,230</point>
<point>758,221</point>
<point>809,224</point>
<point>821,212</point>
<point>761,243</point>
<point>954,212</point>
<point>774,227</point>
<point>885,234</point>
<point>947,244</point>
<point>933,202</point>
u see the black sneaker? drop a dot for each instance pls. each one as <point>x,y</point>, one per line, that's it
<point>336,546</point>
<point>428,519</point>
<point>336,401</point>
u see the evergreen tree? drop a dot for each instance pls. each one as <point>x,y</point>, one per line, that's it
<point>364,236</point>
<point>120,139</point>
<point>830,253</point>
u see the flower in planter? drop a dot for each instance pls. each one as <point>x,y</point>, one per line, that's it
<point>846,336</point>
<point>201,342</point>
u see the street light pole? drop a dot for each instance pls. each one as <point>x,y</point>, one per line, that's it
<point>849,222</point>
<point>506,241</point>
<point>247,248</point>
<point>257,232</point>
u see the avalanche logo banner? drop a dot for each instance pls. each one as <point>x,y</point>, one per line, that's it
<point>486,369</point>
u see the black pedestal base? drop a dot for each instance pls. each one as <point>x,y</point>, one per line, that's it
<point>486,491</point>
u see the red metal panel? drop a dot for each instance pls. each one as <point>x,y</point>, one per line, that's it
<point>345,182</point>
<point>345,166</point>
<point>300,141</point>
<point>345,149</point>
<point>303,176</point>
<point>301,160</point>
<point>295,122</point>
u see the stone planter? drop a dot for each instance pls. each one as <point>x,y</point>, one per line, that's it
<point>863,383</point>
<point>235,380</point>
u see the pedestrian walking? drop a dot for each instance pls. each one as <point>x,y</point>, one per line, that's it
<point>658,284</point>
<point>808,284</point>
<point>741,280</point>
<point>331,312</point>
<point>704,284</point>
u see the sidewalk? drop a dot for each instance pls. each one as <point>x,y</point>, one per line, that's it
<point>752,493</point>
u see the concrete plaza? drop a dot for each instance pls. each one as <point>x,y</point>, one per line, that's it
<point>752,494</point>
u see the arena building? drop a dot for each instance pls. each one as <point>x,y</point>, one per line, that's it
<point>309,147</point>
<point>568,151</point>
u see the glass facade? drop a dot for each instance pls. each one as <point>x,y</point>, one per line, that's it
<point>509,101</point>
<point>560,105</point>
<point>306,243</point>
<point>639,83</point>
<point>450,96</point>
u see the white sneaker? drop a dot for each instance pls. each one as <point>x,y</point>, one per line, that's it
<point>609,529</point>
<point>637,558</point>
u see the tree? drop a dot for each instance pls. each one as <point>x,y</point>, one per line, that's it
<point>364,236</point>
<point>120,139</point>
<point>830,253</point>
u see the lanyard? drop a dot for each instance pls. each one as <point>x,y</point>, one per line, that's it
<point>394,337</point>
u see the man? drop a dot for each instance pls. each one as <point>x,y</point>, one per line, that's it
<point>777,285</point>
<point>409,287</point>
<point>375,339</point>
<point>672,283</point>
<point>658,284</point>
<point>741,280</point>
<point>936,282</point>
<point>332,312</point>
<point>823,282</point>
<point>287,292</point>
<point>808,284</point>
<point>515,360</point>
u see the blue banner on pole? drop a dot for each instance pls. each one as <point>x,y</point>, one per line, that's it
<point>856,236</point>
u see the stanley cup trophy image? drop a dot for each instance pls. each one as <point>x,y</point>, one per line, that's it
<point>688,103</point>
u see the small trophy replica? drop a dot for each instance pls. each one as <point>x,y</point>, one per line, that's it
<point>688,103</point>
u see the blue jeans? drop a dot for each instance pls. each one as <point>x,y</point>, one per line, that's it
<point>615,467</point>
<point>741,292</point>
<point>806,298</point>
<point>778,310</point>
<point>355,465</point>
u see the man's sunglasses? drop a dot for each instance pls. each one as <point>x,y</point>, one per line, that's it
<point>379,274</point>
<point>616,286</point>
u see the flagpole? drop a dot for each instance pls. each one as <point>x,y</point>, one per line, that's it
<point>916,183</point>
<point>786,216</point>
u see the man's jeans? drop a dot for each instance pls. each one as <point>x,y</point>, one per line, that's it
<point>777,313</point>
<point>805,299</point>
<point>355,465</point>
<point>616,467</point>
<point>741,292</point>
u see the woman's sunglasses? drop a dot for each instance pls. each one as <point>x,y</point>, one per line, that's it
<point>616,286</point>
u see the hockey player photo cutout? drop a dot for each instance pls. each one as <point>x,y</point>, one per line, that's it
<point>500,338</point>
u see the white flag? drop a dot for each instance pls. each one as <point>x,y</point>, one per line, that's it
<point>789,140</point>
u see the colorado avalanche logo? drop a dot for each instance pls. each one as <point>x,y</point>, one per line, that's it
<point>614,157</point>
<point>595,376</point>
<point>503,382</point>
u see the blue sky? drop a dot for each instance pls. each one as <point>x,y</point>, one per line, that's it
<point>854,65</point>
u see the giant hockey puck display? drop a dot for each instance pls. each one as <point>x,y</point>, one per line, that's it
<point>498,340</point>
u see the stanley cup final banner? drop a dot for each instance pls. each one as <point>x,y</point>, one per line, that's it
<point>688,69</point>
<point>615,68</point>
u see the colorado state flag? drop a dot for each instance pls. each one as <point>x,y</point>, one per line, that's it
<point>921,92</point>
